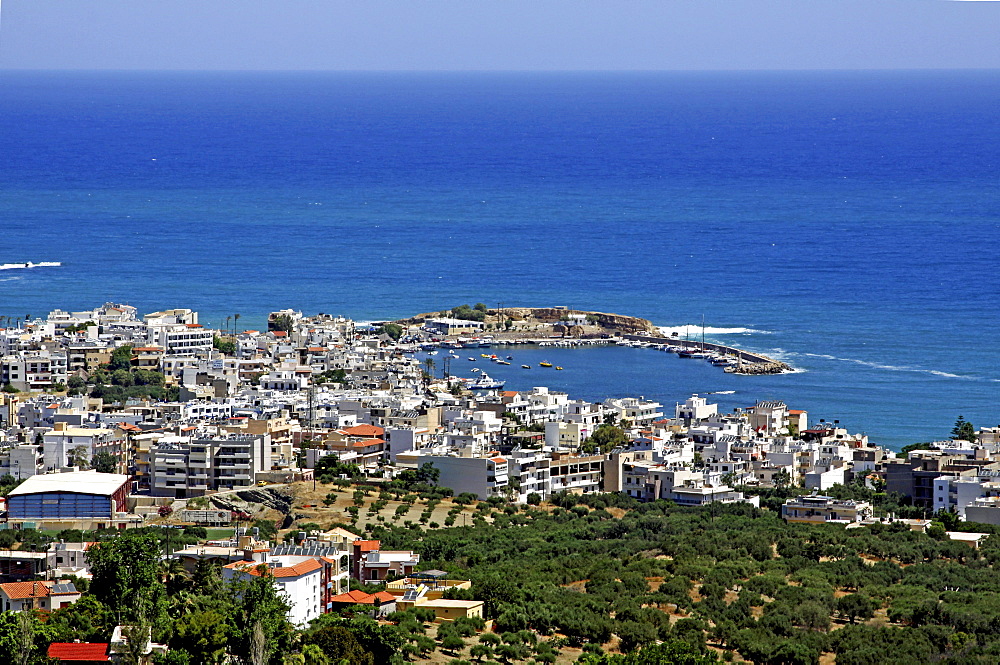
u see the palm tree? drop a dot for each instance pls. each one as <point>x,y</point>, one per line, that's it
<point>228,319</point>
<point>236,322</point>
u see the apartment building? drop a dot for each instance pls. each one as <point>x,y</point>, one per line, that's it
<point>816,509</point>
<point>186,469</point>
<point>73,446</point>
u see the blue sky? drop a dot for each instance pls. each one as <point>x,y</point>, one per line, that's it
<point>498,34</point>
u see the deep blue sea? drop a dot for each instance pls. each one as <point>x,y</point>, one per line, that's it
<point>845,222</point>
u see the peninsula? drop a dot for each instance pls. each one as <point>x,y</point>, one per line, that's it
<point>534,325</point>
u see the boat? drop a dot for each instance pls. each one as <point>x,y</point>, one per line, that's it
<point>483,355</point>
<point>475,369</point>
<point>471,359</point>
<point>502,362</point>
<point>558,367</point>
<point>484,382</point>
<point>525,366</point>
<point>545,363</point>
<point>510,357</point>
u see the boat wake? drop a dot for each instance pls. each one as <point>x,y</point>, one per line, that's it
<point>30,264</point>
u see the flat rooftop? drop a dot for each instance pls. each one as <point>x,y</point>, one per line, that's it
<point>76,482</point>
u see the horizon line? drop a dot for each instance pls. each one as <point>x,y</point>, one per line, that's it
<point>494,71</point>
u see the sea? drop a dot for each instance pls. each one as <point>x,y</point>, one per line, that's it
<point>846,223</point>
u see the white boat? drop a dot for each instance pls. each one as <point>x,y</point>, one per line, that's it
<point>484,382</point>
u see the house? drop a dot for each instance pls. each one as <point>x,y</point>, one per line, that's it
<point>382,602</point>
<point>481,473</point>
<point>445,609</point>
<point>80,653</point>
<point>66,446</point>
<point>301,582</point>
<point>68,559</point>
<point>91,653</point>
<point>816,509</point>
<point>373,564</point>
<point>434,582</point>
<point>47,595</point>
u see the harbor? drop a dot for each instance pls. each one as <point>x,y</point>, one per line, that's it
<point>558,327</point>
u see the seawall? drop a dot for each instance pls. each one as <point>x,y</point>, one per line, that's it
<point>751,362</point>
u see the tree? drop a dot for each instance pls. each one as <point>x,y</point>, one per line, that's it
<point>963,430</point>
<point>105,463</point>
<point>856,606</point>
<point>137,635</point>
<point>87,619</point>
<point>480,651</point>
<point>428,474</point>
<point>282,323</point>
<point>261,632</point>
<point>122,377</point>
<point>782,481</point>
<point>452,643</point>
<point>225,346</point>
<point>202,634</point>
<point>121,358</point>
<point>19,637</point>
<point>669,652</point>
<point>393,330</point>
<point>79,456</point>
<point>605,437</point>
<point>126,575</point>
<point>381,641</point>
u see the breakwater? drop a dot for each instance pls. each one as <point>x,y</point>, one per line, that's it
<point>748,362</point>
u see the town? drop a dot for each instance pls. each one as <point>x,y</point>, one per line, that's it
<point>269,444</point>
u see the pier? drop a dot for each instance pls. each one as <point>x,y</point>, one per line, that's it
<point>749,362</point>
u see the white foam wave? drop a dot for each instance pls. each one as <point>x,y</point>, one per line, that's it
<point>695,331</point>
<point>892,368</point>
<point>29,264</point>
<point>10,279</point>
<point>723,392</point>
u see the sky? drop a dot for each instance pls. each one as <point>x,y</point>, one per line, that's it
<point>498,34</point>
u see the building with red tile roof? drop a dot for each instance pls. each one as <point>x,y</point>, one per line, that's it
<point>382,602</point>
<point>303,579</point>
<point>80,653</point>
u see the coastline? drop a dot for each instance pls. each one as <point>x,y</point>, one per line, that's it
<point>560,324</point>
